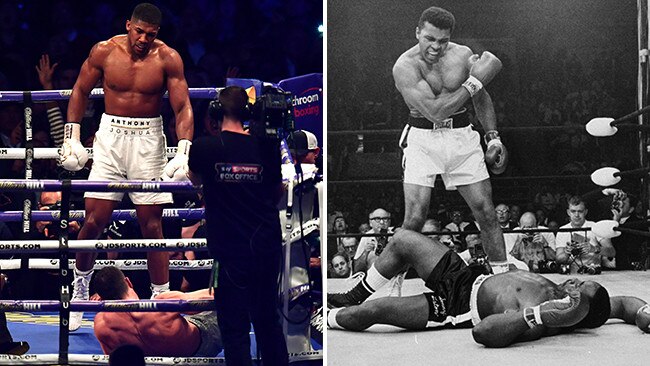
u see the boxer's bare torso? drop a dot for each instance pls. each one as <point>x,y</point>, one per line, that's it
<point>135,70</point>
<point>442,74</point>
<point>158,334</point>
<point>132,86</point>
<point>513,291</point>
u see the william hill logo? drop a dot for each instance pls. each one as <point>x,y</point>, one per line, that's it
<point>308,103</point>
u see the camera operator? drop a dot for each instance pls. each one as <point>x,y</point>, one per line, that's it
<point>240,172</point>
<point>49,229</point>
<point>583,251</point>
<point>536,249</point>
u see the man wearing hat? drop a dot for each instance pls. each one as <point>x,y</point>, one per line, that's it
<point>304,147</point>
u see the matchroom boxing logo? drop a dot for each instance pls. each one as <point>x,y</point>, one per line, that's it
<point>307,102</point>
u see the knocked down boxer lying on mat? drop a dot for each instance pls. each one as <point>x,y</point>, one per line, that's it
<point>160,333</point>
<point>511,307</point>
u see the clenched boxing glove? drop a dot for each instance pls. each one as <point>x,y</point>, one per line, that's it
<point>642,318</point>
<point>564,312</point>
<point>72,156</point>
<point>177,169</point>
<point>496,155</point>
<point>483,70</point>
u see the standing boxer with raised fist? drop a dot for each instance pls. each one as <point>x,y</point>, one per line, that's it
<point>437,78</point>
<point>135,69</point>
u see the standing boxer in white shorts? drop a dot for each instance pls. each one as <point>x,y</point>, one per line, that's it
<point>437,77</point>
<point>135,69</point>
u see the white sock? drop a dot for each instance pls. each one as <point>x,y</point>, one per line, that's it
<point>80,273</point>
<point>160,288</point>
<point>500,267</point>
<point>374,279</point>
<point>331,319</point>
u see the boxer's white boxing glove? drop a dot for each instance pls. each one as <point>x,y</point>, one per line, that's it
<point>177,169</point>
<point>496,154</point>
<point>73,156</point>
<point>564,312</point>
<point>483,70</point>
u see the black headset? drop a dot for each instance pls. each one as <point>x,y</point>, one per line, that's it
<point>216,110</point>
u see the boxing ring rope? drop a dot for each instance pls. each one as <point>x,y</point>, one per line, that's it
<point>96,93</point>
<point>119,306</point>
<point>123,264</point>
<point>79,359</point>
<point>53,153</point>
<point>126,215</point>
<point>468,232</point>
<point>643,88</point>
<point>122,245</point>
<point>94,186</point>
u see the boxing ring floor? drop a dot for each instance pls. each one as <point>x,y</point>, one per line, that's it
<point>614,343</point>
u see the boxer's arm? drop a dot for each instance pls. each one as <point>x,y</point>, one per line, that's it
<point>484,109</point>
<point>91,71</point>
<point>203,294</point>
<point>502,330</point>
<point>625,308</point>
<point>179,96</point>
<point>418,94</point>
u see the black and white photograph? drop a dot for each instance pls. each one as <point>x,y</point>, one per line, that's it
<point>487,182</point>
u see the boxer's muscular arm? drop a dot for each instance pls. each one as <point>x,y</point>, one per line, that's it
<point>179,97</point>
<point>203,294</point>
<point>418,94</point>
<point>485,110</point>
<point>502,330</point>
<point>625,307</point>
<point>91,71</point>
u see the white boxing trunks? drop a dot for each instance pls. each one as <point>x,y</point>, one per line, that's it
<point>129,148</point>
<point>454,153</point>
<point>473,299</point>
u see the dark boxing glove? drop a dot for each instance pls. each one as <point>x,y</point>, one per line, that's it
<point>496,155</point>
<point>564,312</point>
<point>642,318</point>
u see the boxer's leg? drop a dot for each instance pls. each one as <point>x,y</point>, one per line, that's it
<point>479,198</point>
<point>416,206</point>
<point>98,215</point>
<point>411,312</point>
<point>150,220</point>
<point>408,248</point>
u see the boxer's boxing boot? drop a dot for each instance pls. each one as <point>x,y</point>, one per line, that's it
<point>81,291</point>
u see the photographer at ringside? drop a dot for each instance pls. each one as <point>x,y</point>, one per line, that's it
<point>536,249</point>
<point>583,251</point>
<point>240,173</point>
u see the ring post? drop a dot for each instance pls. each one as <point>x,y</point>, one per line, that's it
<point>642,92</point>
<point>64,274</point>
